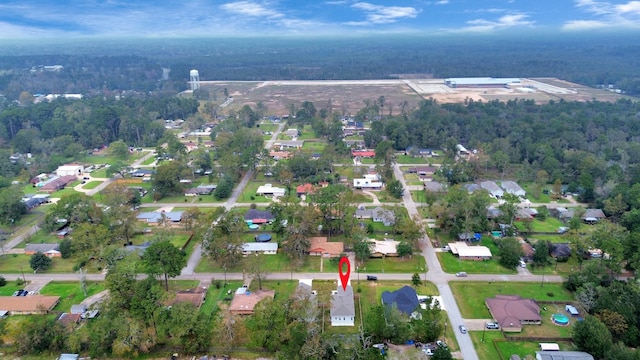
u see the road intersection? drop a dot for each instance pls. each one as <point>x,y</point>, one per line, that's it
<point>434,272</point>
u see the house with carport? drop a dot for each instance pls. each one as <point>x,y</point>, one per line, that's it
<point>466,252</point>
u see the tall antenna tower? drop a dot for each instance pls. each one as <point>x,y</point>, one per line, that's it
<point>194,79</point>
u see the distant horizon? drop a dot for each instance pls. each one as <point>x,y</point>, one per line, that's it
<point>39,19</point>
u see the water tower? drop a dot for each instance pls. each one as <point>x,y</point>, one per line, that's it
<point>194,79</point>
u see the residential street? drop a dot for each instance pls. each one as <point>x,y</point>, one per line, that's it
<point>433,273</point>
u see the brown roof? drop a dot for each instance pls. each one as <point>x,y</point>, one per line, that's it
<point>321,245</point>
<point>195,296</point>
<point>527,249</point>
<point>304,189</point>
<point>69,319</point>
<point>243,304</point>
<point>511,310</point>
<point>30,303</point>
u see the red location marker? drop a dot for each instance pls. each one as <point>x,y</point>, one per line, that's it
<point>344,277</point>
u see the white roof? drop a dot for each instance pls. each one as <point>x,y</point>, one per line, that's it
<point>70,167</point>
<point>269,189</point>
<point>549,347</point>
<point>256,247</point>
<point>461,249</point>
<point>387,246</point>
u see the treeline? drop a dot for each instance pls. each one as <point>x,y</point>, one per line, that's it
<point>593,60</point>
<point>62,129</point>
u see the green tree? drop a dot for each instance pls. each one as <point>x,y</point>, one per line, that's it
<point>224,188</point>
<point>395,188</point>
<point>541,254</point>
<point>442,354</point>
<point>362,248</point>
<point>40,261</point>
<point>404,249</point>
<point>415,279</point>
<point>163,258</point>
<point>510,253</point>
<point>592,336</point>
<point>119,149</point>
<point>11,206</point>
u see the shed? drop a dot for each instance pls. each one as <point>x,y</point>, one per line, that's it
<point>549,347</point>
<point>571,310</point>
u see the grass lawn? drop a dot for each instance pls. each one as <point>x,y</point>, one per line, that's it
<point>415,264</point>
<point>470,296</point>
<point>313,146</point>
<point>559,268</point>
<point>91,185</point>
<point>70,292</point>
<point>100,173</point>
<point>149,161</point>
<point>10,288</point>
<point>249,193</point>
<point>177,285</point>
<point>407,159</point>
<point>358,198</point>
<point>11,264</point>
<point>452,264</point>
<point>550,224</point>
<point>486,350</point>
<point>67,190</point>
<point>550,238</point>
<point>214,295</point>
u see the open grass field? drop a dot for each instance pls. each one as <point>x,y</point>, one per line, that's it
<point>550,224</point>
<point>91,185</point>
<point>70,292</point>
<point>550,238</point>
<point>10,288</point>
<point>313,146</point>
<point>407,159</point>
<point>414,264</point>
<point>486,350</point>
<point>470,296</point>
<point>452,264</point>
<point>17,263</point>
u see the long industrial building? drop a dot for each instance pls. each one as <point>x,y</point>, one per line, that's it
<point>480,82</point>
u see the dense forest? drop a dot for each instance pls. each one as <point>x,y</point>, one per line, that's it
<point>99,66</point>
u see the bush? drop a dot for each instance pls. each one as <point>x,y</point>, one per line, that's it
<point>550,294</point>
<point>20,282</point>
<point>3,281</point>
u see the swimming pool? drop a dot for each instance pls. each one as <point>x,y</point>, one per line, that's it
<point>560,319</point>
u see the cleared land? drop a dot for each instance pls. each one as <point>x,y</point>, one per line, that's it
<point>349,96</point>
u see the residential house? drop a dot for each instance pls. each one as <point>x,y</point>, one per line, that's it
<point>363,153</point>
<point>142,173</point>
<point>57,183</point>
<point>270,190</point>
<point>64,232</point>
<point>292,133</point>
<point>434,186</point>
<point>368,181</point>
<point>422,171</point>
<point>161,217</point>
<point>280,155</point>
<point>195,296</point>
<point>25,305</point>
<point>304,189</point>
<point>343,310</point>
<point>512,187</point>
<point>319,246</point>
<point>51,250</point>
<point>418,152</point>
<point>384,248</point>
<point>563,355</point>
<point>471,187</point>
<point>560,251</point>
<point>200,190</point>
<point>78,309</point>
<point>69,320</point>
<point>466,252</point>
<point>592,216</point>
<point>268,248</point>
<point>256,216</point>
<point>493,188</point>
<point>405,299</point>
<point>512,311</point>
<point>377,214</point>
<point>288,144</point>
<point>244,302</point>
<point>70,169</point>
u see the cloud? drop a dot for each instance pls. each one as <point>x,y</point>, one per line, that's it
<point>606,14</point>
<point>379,14</point>
<point>442,2</point>
<point>249,8</point>
<point>503,22</point>
<point>337,2</point>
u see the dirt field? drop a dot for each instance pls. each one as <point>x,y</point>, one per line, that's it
<point>349,96</point>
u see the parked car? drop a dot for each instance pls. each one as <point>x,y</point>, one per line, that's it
<point>463,329</point>
<point>522,264</point>
<point>442,344</point>
<point>372,278</point>
<point>493,326</point>
<point>427,351</point>
<point>446,248</point>
<point>461,274</point>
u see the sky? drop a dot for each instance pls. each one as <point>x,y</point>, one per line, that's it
<point>197,18</point>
